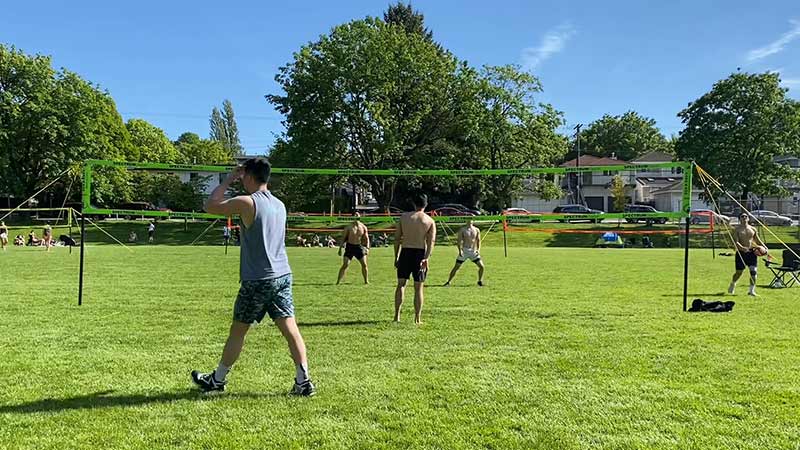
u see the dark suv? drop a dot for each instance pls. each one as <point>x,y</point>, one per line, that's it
<point>643,209</point>
<point>576,209</point>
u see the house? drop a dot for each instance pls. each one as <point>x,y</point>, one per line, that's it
<point>214,178</point>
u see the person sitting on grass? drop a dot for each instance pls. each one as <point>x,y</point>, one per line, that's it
<point>19,240</point>
<point>132,238</point>
<point>33,240</point>
<point>300,241</point>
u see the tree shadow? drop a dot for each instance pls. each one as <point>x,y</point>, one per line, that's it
<point>341,323</point>
<point>105,399</point>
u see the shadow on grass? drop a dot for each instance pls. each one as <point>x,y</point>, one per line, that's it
<point>696,294</point>
<point>344,323</point>
<point>106,399</point>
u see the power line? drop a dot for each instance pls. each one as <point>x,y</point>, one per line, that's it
<point>196,116</point>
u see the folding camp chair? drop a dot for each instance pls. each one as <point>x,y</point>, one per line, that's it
<point>788,273</point>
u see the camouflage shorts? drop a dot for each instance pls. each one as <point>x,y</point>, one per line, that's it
<point>258,298</point>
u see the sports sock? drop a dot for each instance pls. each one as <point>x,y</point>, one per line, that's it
<point>752,290</point>
<point>301,373</point>
<point>221,372</point>
<point>731,288</point>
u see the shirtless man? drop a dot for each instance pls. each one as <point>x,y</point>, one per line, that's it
<point>469,248</point>
<point>3,235</point>
<point>47,238</point>
<point>416,234</point>
<point>745,235</point>
<point>355,242</point>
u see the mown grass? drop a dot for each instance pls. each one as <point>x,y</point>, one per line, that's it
<point>564,348</point>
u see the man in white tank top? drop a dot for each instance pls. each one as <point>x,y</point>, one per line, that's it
<point>266,278</point>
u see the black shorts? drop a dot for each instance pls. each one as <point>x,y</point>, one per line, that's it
<point>409,264</point>
<point>353,251</point>
<point>744,259</point>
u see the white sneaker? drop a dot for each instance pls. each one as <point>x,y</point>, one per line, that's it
<point>752,293</point>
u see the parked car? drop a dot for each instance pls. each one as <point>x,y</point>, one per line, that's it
<point>535,217</point>
<point>769,218</point>
<point>643,209</point>
<point>458,206</point>
<point>448,211</point>
<point>576,209</point>
<point>704,216</point>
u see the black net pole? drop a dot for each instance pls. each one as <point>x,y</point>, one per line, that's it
<point>80,270</point>
<point>713,243</point>
<point>686,266</point>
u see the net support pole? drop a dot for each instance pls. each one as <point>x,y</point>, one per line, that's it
<point>80,270</point>
<point>505,242</point>
<point>686,265</point>
<point>713,243</point>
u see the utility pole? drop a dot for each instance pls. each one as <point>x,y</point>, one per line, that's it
<point>578,196</point>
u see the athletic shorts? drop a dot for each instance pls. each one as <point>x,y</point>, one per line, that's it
<point>469,254</point>
<point>744,259</point>
<point>409,264</point>
<point>353,251</point>
<point>3,236</point>
<point>257,298</point>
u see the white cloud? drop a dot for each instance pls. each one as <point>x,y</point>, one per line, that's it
<point>552,42</point>
<point>777,45</point>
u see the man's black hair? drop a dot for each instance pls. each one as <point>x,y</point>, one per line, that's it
<point>419,200</point>
<point>259,168</point>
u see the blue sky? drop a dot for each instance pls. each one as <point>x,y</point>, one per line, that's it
<point>171,62</point>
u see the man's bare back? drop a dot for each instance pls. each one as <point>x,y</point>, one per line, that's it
<point>414,229</point>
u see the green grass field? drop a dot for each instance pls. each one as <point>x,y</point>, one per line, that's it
<point>564,348</point>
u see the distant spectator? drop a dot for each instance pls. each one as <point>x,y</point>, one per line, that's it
<point>47,237</point>
<point>226,235</point>
<point>330,241</point>
<point>151,232</point>
<point>3,235</point>
<point>132,237</point>
<point>33,240</point>
<point>315,241</point>
<point>300,241</point>
<point>19,240</point>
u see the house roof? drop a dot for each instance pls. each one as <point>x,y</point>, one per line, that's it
<point>654,157</point>
<point>672,187</point>
<point>589,160</point>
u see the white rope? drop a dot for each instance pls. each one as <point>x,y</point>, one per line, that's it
<point>37,193</point>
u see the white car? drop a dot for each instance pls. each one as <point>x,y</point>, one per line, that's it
<point>769,218</point>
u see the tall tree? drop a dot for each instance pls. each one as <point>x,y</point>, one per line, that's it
<point>737,129</point>
<point>224,129</point>
<point>370,95</point>
<point>51,120</point>
<point>404,16</point>
<point>151,143</point>
<point>627,136</point>
<point>195,150</point>
<point>515,131</point>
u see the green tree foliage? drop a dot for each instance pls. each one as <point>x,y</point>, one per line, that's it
<point>224,129</point>
<point>404,16</point>
<point>151,143</point>
<point>515,131</point>
<point>618,193</point>
<point>167,190</point>
<point>737,129</point>
<point>51,120</point>
<point>195,150</point>
<point>627,136</point>
<point>371,95</point>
